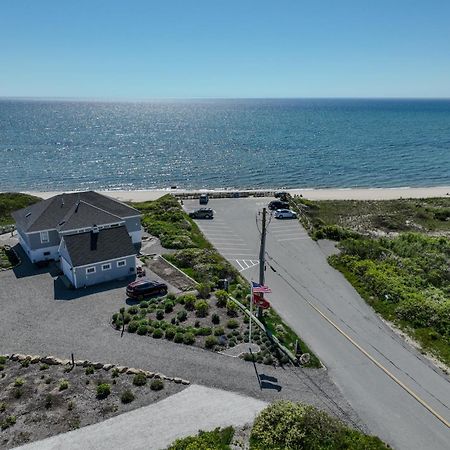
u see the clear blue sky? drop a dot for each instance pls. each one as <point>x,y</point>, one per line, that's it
<point>225,48</point>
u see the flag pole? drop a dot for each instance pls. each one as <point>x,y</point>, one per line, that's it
<point>250,323</point>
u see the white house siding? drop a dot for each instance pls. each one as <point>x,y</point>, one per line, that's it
<point>67,270</point>
<point>83,279</point>
<point>40,254</point>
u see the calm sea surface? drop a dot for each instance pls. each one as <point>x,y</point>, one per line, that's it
<point>56,145</point>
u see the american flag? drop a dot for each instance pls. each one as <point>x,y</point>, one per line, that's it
<point>256,287</point>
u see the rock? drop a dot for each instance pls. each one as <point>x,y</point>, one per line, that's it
<point>122,369</point>
<point>21,357</point>
<point>86,363</point>
<point>177,380</point>
<point>169,378</point>
<point>149,374</point>
<point>66,362</point>
<point>51,360</point>
<point>14,357</point>
<point>185,382</point>
<point>35,359</point>
<point>79,362</point>
<point>108,366</point>
<point>133,371</point>
<point>97,365</point>
<point>159,375</point>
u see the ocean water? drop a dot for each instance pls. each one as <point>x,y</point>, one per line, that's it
<point>57,145</point>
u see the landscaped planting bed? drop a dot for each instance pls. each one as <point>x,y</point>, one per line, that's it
<point>39,400</point>
<point>216,323</point>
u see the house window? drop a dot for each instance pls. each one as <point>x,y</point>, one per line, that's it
<point>106,266</point>
<point>44,237</point>
<point>90,270</point>
<point>121,263</point>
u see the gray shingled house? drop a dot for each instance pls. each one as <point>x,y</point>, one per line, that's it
<point>94,237</point>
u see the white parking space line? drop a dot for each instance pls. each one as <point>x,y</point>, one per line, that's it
<point>240,265</point>
<point>232,255</point>
<point>245,264</point>
<point>232,248</point>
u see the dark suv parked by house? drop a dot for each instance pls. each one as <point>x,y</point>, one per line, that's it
<point>140,289</point>
<point>204,198</point>
<point>202,213</point>
<point>278,204</point>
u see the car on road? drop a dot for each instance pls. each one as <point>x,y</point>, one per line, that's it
<point>204,199</point>
<point>282,195</point>
<point>285,214</point>
<point>278,204</point>
<point>141,289</point>
<point>202,213</point>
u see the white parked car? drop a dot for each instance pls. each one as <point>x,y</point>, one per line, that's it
<point>285,214</point>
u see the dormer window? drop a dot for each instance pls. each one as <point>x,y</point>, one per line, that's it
<point>44,237</point>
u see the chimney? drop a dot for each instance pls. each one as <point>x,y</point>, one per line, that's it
<point>94,239</point>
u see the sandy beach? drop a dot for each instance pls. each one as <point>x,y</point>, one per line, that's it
<point>313,194</point>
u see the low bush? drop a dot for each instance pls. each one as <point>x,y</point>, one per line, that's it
<point>182,315</point>
<point>189,301</point>
<point>204,289</point>
<point>218,439</point>
<point>63,385</point>
<point>211,342</point>
<point>115,373</point>
<point>43,367</point>
<point>140,379</point>
<point>103,390</point>
<point>158,333</point>
<point>170,333</point>
<point>133,326</point>
<point>142,329</point>
<point>204,331</point>
<point>8,422</point>
<point>89,370</point>
<point>159,314</point>
<point>127,396</point>
<point>179,338</point>
<point>168,306</point>
<point>232,308</point>
<point>219,331</point>
<point>188,338</point>
<point>156,385</point>
<point>18,382</point>
<point>133,310</point>
<point>222,298</point>
<point>201,308</point>
<point>232,324</point>
<point>215,319</point>
<point>144,305</point>
<point>3,359</point>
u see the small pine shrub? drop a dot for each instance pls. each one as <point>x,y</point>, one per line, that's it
<point>103,390</point>
<point>179,337</point>
<point>215,319</point>
<point>127,396</point>
<point>219,331</point>
<point>204,331</point>
<point>189,301</point>
<point>171,296</point>
<point>140,379</point>
<point>156,385</point>
<point>143,305</point>
<point>232,308</point>
<point>133,310</point>
<point>43,367</point>
<point>133,326</point>
<point>222,297</point>
<point>89,370</point>
<point>188,338</point>
<point>170,333</point>
<point>182,315</point>
<point>201,308</point>
<point>168,306</point>
<point>115,373</point>
<point>159,314</point>
<point>25,363</point>
<point>18,382</point>
<point>204,289</point>
<point>142,329</point>
<point>63,385</point>
<point>232,324</point>
<point>158,333</point>
<point>3,359</point>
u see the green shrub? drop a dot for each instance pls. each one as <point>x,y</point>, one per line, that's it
<point>218,439</point>
<point>159,314</point>
<point>189,338</point>
<point>201,308</point>
<point>133,326</point>
<point>287,425</point>
<point>189,301</point>
<point>168,306</point>
<point>3,407</point>
<point>204,331</point>
<point>43,367</point>
<point>89,370</point>
<point>211,342</point>
<point>179,338</point>
<point>219,331</point>
<point>170,333</point>
<point>103,390</point>
<point>2,367</point>
<point>232,324</point>
<point>127,396</point>
<point>133,310</point>
<point>144,305</point>
<point>204,289</point>
<point>142,329</point>
<point>8,422</point>
<point>140,379</point>
<point>3,359</point>
<point>115,373</point>
<point>63,385</point>
<point>182,315</point>
<point>222,298</point>
<point>25,363</point>
<point>156,385</point>
<point>171,296</point>
<point>215,319</point>
<point>18,382</point>
<point>232,308</point>
<point>158,333</point>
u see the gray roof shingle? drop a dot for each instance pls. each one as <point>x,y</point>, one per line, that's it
<point>107,244</point>
<point>48,214</point>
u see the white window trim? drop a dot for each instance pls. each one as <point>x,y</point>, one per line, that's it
<point>121,263</point>
<point>45,238</point>
<point>106,266</point>
<point>89,271</point>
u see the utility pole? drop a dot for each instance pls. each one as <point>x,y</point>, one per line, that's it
<point>262,248</point>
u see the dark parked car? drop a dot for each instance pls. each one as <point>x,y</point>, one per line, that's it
<point>278,204</point>
<point>140,289</point>
<point>282,195</point>
<point>204,199</point>
<point>202,213</point>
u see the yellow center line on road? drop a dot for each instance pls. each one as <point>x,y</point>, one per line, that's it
<point>384,369</point>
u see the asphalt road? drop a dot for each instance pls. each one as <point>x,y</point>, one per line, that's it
<point>372,365</point>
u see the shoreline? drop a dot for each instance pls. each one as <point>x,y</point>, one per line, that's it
<point>309,193</point>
